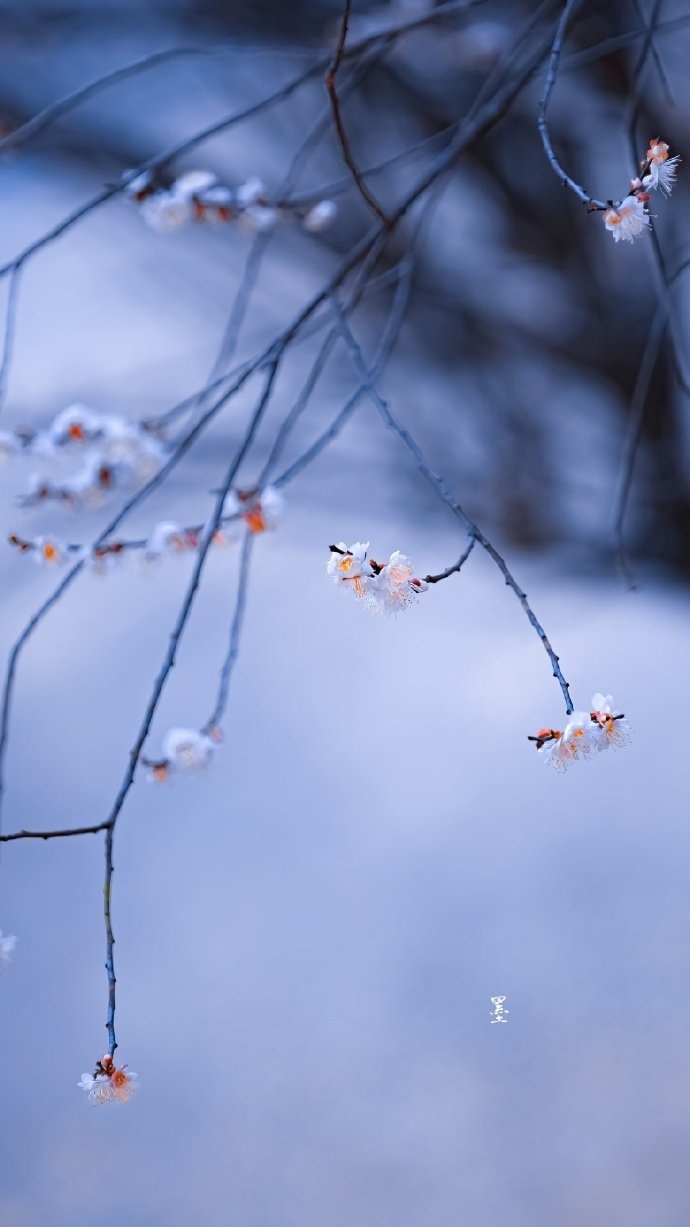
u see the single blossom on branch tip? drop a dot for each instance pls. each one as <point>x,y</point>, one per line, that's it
<point>584,733</point>
<point>260,510</point>
<point>7,945</point>
<point>108,1083</point>
<point>185,751</point>
<point>383,587</point>
<point>628,219</point>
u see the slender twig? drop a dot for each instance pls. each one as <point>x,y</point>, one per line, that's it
<point>235,633</point>
<point>60,834</point>
<point>8,340</point>
<point>348,158</point>
<point>385,37</point>
<point>458,510</point>
<point>552,72</point>
<point>109,938</point>
<point>617,42</point>
<point>457,566</point>
<point>161,678</point>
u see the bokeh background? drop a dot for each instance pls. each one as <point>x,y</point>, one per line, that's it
<point>308,936</point>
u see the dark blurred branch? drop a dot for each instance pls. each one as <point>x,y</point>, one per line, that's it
<point>346,151</point>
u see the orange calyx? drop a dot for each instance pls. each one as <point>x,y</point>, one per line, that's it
<point>254,520</point>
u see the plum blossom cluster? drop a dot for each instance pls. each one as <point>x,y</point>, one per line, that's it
<point>108,1084</point>
<point>114,452</point>
<point>584,733</point>
<point>197,196</point>
<point>256,510</point>
<point>7,945</point>
<point>383,587</point>
<point>631,216</point>
<point>185,752</point>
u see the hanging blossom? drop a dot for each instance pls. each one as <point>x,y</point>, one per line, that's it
<point>658,170</point>
<point>197,196</point>
<point>185,751</point>
<point>584,733</point>
<point>108,1083</point>
<point>7,945</point>
<point>385,588</point>
<point>260,510</point>
<point>630,217</point>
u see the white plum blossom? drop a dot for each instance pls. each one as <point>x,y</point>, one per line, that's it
<point>250,193</point>
<point>628,219</point>
<point>585,732</point>
<point>607,729</point>
<point>193,183</point>
<point>97,1087</point>
<point>395,587</point>
<point>187,750</point>
<point>350,567</point>
<point>387,587</point>
<point>166,210</point>
<point>321,216</point>
<point>560,748</point>
<point>166,538</point>
<point>662,169</point>
<point>260,218</point>
<point>7,945</point>
<point>47,551</point>
<point>262,511</point>
<point>75,424</point>
<point>109,1083</point>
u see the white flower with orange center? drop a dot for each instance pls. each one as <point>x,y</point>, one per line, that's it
<point>108,1083</point>
<point>262,510</point>
<point>627,220</point>
<point>607,728</point>
<point>662,170</point>
<point>49,552</point>
<point>395,587</point>
<point>123,1084</point>
<point>561,748</point>
<point>351,567</point>
<point>187,750</point>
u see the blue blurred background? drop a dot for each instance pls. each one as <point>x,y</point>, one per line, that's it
<point>308,937</point>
